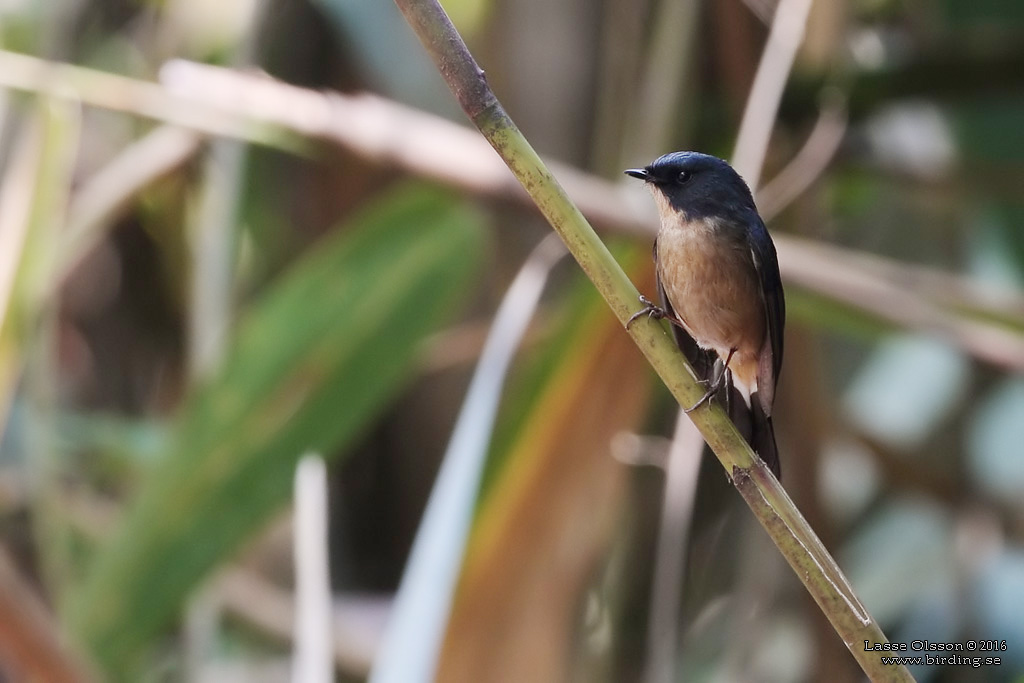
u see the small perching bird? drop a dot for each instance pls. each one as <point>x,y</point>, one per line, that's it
<point>718,276</point>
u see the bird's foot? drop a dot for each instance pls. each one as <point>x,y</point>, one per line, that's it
<point>713,388</point>
<point>714,385</point>
<point>654,311</point>
<point>650,309</point>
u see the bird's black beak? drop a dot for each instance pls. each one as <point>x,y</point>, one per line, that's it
<point>640,173</point>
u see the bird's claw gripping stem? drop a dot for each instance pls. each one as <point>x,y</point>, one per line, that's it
<point>650,309</point>
<point>714,385</point>
<point>705,398</point>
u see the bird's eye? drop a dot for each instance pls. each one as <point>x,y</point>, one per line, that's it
<point>683,177</point>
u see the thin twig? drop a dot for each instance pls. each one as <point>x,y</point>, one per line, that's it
<point>759,116</point>
<point>141,98</point>
<point>810,162</point>
<point>784,39</point>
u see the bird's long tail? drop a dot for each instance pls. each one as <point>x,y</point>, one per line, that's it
<point>760,433</point>
<point>753,425</point>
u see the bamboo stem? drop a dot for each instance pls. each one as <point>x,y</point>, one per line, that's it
<point>769,502</point>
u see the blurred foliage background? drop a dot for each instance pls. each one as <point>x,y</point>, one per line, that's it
<point>205,274</point>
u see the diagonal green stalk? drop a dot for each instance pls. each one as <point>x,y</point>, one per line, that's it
<point>765,496</point>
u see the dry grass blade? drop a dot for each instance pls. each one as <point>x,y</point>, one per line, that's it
<point>416,628</point>
<point>546,525</point>
<point>312,655</point>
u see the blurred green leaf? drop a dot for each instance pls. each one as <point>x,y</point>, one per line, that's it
<point>999,12</point>
<point>312,364</point>
<point>987,128</point>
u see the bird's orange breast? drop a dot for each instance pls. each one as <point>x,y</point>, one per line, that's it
<point>710,279</point>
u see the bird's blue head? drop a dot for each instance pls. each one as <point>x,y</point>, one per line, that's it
<point>698,185</point>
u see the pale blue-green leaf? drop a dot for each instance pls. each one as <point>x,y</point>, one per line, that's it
<point>783,650</point>
<point>990,255</point>
<point>903,553</point>
<point>907,387</point>
<point>936,618</point>
<point>388,52</point>
<point>999,593</point>
<point>848,478</point>
<point>913,137</point>
<point>131,442</point>
<point>995,442</point>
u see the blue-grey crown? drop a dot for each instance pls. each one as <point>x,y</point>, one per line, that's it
<point>711,186</point>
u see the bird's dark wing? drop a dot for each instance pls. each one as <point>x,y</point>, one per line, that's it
<point>766,263</point>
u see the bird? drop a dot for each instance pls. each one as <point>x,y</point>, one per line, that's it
<point>719,284</point>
